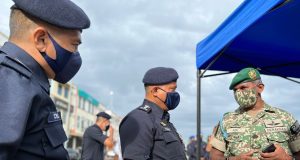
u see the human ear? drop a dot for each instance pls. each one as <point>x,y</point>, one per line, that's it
<point>260,88</point>
<point>40,39</point>
<point>154,91</point>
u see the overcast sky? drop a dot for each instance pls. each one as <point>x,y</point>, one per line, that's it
<point>127,38</point>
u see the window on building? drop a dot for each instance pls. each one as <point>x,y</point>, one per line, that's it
<point>78,122</point>
<point>91,108</point>
<point>63,116</point>
<point>86,106</point>
<point>82,125</point>
<point>66,92</point>
<point>81,103</point>
<point>59,89</point>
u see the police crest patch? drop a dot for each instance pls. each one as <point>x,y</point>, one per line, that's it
<point>295,128</point>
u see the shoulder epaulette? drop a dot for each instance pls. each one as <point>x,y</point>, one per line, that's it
<point>15,64</point>
<point>145,108</point>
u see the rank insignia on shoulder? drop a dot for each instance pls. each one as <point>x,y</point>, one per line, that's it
<point>295,128</point>
<point>145,108</point>
<point>167,129</point>
<point>164,124</point>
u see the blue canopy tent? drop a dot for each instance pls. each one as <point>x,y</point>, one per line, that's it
<point>264,34</point>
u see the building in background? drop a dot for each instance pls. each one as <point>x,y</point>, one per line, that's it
<point>83,117</point>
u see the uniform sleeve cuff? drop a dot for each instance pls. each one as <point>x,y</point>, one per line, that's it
<point>295,145</point>
<point>219,145</point>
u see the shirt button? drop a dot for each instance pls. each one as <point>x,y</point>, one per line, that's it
<point>146,156</point>
<point>255,136</point>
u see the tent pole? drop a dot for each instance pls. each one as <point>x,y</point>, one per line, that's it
<point>217,74</point>
<point>200,74</point>
<point>198,113</point>
<point>212,62</point>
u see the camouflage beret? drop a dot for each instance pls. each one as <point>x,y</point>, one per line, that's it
<point>160,75</point>
<point>245,75</point>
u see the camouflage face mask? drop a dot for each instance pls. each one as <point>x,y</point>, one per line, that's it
<point>246,98</point>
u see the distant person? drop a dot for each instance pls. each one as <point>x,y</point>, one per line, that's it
<point>246,132</point>
<point>94,140</point>
<point>192,148</point>
<point>146,133</point>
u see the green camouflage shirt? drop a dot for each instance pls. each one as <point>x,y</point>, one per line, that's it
<point>239,133</point>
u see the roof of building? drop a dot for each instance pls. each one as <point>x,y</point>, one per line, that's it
<point>88,97</point>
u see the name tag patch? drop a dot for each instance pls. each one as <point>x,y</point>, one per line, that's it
<point>239,130</point>
<point>54,117</point>
<point>167,129</point>
<point>276,129</point>
<point>273,123</point>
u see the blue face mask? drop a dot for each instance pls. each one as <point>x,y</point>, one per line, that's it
<point>66,64</point>
<point>172,99</point>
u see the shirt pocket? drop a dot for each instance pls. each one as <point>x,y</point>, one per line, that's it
<point>234,137</point>
<point>53,142</point>
<point>234,142</point>
<point>172,147</point>
<point>169,137</point>
<point>279,137</point>
<point>55,134</point>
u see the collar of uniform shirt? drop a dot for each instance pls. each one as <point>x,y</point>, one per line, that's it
<point>157,111</point>
<point>14,51</point>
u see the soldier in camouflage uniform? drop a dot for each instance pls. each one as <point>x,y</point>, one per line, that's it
<point>244,133</point>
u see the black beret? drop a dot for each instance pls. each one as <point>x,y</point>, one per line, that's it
<point>159,76</point>
<point>104,115</point>
<point>60,13</point>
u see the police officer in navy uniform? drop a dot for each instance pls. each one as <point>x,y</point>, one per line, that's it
<point>43,41</point>
<point>94,140</point>
<point>146,132</point>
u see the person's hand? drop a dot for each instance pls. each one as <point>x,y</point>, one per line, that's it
<point>278,154</point>
<point>244,156</point>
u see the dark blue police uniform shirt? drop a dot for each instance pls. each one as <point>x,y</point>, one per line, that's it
<point>31,127</point>
<point>146,133</point>
<point>93,143</point>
